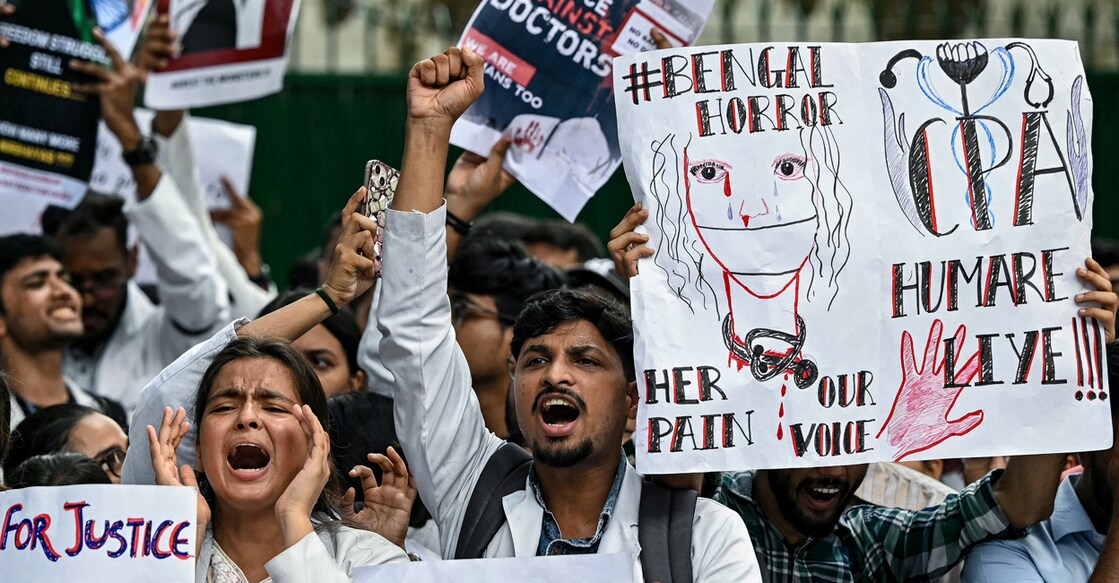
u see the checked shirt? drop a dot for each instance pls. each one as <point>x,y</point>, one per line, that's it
<point>872,543</point>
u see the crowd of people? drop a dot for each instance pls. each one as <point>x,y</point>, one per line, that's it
<point>468,393</point>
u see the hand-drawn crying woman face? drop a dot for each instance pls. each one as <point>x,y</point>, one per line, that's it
<point>755,213</point>
<point>763,219</point>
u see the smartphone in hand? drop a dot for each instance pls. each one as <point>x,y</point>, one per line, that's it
<point>380,185</point>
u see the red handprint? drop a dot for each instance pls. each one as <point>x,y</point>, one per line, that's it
<point>923,402</point>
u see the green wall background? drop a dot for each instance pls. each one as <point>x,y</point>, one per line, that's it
<point>314,137</point>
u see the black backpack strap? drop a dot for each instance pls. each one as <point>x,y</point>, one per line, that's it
<point>665,533</point>
<point>505,473</point>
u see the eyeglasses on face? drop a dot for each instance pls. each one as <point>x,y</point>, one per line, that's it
<point>111,461</point>
<point>464,308</point>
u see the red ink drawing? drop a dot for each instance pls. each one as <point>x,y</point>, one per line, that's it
<point>919,418</point>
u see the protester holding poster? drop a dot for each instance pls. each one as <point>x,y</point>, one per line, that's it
<point>759,235</point>
<point>548,71</point>
<point>1066,547</point>
<point>127,340</point>
<point>578,494</point>
<point>263,453</point>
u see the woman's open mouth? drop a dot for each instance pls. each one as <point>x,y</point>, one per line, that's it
<point>247,460</point>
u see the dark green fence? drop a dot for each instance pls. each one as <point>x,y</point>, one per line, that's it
<point>314,138</point>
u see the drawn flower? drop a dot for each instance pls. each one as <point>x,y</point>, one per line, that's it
<point>962,62</point>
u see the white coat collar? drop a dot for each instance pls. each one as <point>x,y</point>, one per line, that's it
<point>525,517</point>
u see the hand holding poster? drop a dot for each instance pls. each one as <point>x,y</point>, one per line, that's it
<point>220,149</point>
<point>548,85</point>
<point>98,533</point>
<point>560,569</point>
<point>862,253</point>
<point>231,51</point>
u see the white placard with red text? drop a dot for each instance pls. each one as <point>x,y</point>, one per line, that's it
<point>864,252</point>
<point>95,533</point>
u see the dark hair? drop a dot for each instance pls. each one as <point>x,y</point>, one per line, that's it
<point>44,431</point>
<point>503,225</point>
<point>342,325</point>
<point>16,248</point>
<point>307,387</point>
<point>1105,251</point>
<point>362,423</point>
<point>490,266</point>
<point>58,469</point>
<point>329,237</point>
<point>5,421</point>
<point>304,271</point>
<point>96,211</point>
<point>564,235</point>
<point>544,312</point>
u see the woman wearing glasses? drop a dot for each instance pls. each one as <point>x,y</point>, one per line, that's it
<point>70,428</point>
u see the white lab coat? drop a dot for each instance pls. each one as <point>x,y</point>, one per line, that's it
<point>443,434</point>
<point>329,555</point>
<point>176,157</point>
<point>147,337</point>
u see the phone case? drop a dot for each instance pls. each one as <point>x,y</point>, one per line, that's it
<point>380,186</point>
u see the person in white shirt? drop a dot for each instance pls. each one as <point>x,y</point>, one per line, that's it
<point>265,501</point>
<point>569,379</point>
<point>127,339</point>
<point>40,313</point>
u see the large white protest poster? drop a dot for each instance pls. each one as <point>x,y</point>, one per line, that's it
<point>548,86</point>
<point>96,533</point>
<point>230,52</point>
<point>863,253</point>
<point>610,568</point>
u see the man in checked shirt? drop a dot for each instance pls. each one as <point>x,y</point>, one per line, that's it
<point>804,528</point>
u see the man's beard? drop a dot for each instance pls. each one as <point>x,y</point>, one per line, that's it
<point>809,523</point>
<point>558,456</point>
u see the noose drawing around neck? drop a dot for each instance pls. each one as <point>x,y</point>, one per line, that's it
<point>765,366</point>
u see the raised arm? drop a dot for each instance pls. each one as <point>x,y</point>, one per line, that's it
<point>193,295</point>
<point>1029,486</point>
<point>436,412</point>
<point>439,91</point>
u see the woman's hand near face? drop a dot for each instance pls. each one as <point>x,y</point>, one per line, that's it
<point>294,507</point>
<point>167,473</point>
<point>626,245</point>
<point>388,506</point>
